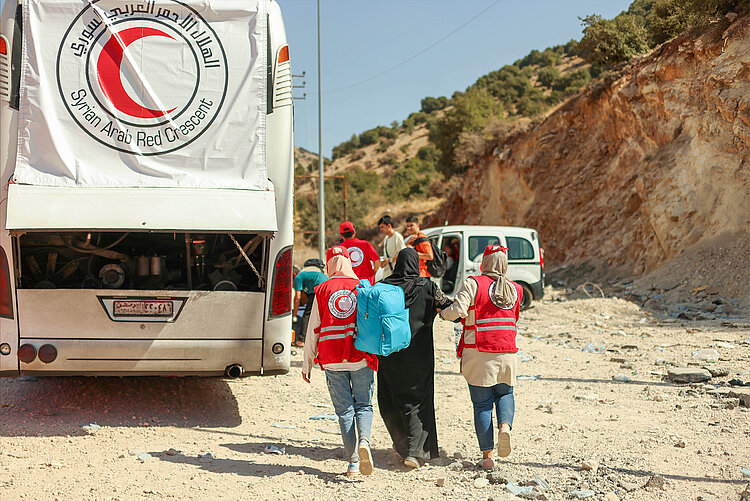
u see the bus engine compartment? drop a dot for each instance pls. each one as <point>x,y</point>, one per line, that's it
<point>141,260</point>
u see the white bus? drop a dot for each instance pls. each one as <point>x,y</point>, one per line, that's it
<point>146,154</point>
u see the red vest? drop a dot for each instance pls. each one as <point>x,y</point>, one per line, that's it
<point>337,305</point>
<point>494,328</point>
<point>360,258</point>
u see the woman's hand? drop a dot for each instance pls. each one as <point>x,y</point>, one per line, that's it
<point>306,377</point>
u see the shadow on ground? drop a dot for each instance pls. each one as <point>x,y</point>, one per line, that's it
<point>635,473</point>
<point>60,406</point>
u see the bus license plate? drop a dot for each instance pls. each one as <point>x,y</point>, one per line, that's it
<point>143,308</point>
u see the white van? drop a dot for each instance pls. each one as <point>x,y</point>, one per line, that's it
<point>465,245</point>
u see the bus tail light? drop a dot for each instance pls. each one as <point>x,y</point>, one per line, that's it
<point>541,258</point>
<point>281,289</point>
<point>47,353</point>
<point>26,353</point>
<point>6,304</point>
<point>284,54</point>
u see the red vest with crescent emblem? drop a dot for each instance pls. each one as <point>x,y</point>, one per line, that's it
<point>494,327</point>
<point>337,305</point>
<point>360,257</point>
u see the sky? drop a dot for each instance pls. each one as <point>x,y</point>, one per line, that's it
<point>362,39</point>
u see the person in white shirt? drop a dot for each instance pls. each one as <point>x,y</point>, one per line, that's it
<point>392,244</point>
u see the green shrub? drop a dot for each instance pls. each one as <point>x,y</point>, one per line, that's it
<point>672,17</point>
<point>532,104</point>
<point>611,41</point>
<point>548,76</point>
<point>432,104</point>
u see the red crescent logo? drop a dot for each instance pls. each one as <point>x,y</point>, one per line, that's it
<point>108,71</point>
<point>337,303</point>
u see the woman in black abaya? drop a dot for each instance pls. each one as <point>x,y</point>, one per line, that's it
<point>406,395</point>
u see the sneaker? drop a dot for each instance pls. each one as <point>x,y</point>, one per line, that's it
<point>365,457</point>
<point>503,444</point>
<point>488,464</point>
<point>411,462</point>
<point>352,470</point>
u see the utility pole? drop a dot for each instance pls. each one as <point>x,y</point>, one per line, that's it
<point>321,202</point>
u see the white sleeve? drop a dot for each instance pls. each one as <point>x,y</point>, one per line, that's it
<point>311,340</point>
<point>465,297</point>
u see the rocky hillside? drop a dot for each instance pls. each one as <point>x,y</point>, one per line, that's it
<point>637,168</point>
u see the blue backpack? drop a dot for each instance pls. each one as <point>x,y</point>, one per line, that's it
<point>382,319</point>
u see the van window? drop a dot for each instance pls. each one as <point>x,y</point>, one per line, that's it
<point>15,58</point>
<point>478,244</point>
<point>519,248</point>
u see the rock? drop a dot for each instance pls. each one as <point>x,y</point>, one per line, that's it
<point>611,496</point>
<point>458,455</point>
<point>440,482</point>
<point>145,457</point>
<point>628,486</point>
<point>618,360</point>
<point>745,472</point>
<point>497,477</point>
<point>590,465</point>
<point>590,397</point>
<point>742,393</point>
<point>205,458</point>
<point>655,482</point>
<point>467,465</point>
<point>680,444</point>
<point>717,371</point>
<point>654,304</point>
<point>745,495</point>
<point>668,284</point>
<point>172,452</point>
<point>481,483</point>
<point>135,452</point>
<point>582,493</point>
<point>688,375</point>
<point>622,378</point>
<point>18,454</point>
<point>456,466</point>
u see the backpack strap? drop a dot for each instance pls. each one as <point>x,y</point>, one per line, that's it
<point>420,240</point>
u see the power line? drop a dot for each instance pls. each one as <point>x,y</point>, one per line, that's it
<point>415,55</point>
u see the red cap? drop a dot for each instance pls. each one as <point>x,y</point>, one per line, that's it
<point>491,249</point>
<point>337,251</point>
<point>346,226</point>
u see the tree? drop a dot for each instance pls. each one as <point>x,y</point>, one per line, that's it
<point>432,104</point>
<point>611,41</point>
<point>470,112</point>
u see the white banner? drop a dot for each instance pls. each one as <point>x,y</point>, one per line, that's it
<point>159,93</point>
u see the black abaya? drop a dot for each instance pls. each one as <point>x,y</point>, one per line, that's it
<point>406,395</point>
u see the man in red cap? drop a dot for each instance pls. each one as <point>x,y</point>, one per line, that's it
<point>365,260</point>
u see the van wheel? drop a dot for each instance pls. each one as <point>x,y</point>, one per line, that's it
<point>527,297</point>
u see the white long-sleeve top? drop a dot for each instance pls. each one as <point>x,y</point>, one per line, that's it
<point>311,347</point>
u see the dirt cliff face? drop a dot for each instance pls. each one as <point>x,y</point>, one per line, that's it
<point>636,168</point>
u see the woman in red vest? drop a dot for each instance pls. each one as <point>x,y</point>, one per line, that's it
<point>349,372</point>
<point>489,305</point>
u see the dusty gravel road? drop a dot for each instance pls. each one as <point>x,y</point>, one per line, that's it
<point>644,439</point>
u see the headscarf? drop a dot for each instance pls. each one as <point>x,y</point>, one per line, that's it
<point>406,274</point>
<point>495,265</point>
<point>338,264</point>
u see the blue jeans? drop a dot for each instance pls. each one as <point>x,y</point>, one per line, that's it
<point>351,394</point>
<point>483,398</point>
